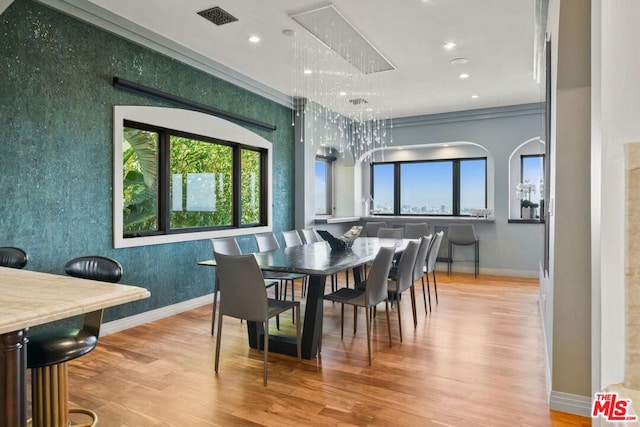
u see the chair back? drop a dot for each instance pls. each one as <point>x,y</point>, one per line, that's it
<point>462,234</point>
<point>404,273</point>
<point>432,255</point>
<point>13,257</point>
<point>291,238</point>
<point>376,289</point>
<point>390,233</point>
<point>242,291</point>
<point>421,257</point>
<point>98,268</point>
<point>416,230</point>
<point>371,228</point>
<point>266,242</point>
<point>226,245</point>
<point>310,235</point>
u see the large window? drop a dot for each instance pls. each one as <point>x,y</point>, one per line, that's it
<point>324,185</point>
<point>434,187</point>
<point>174,182</point>
<point>181,175</point>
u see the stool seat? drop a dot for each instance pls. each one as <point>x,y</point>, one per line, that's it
<point>58,346</point>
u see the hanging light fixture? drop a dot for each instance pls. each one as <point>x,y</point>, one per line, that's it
<point>339,84</point>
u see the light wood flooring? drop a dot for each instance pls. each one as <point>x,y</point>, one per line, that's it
<point>475,360</point>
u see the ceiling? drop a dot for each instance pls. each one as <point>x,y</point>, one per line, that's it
<point>496,36</point>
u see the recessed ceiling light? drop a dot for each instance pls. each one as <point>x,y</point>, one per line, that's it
<point>254,39</point>
<point>459,61</point>
<point>475,96</point>
<point>464,76</point>
<point>308,71</point>
<point>450,45</point>
<point>445,145</point>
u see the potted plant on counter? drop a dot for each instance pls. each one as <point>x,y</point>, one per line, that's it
<point>527,207</point>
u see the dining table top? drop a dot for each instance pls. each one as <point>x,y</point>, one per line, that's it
<point>319,259</point>
<point>30,298</point>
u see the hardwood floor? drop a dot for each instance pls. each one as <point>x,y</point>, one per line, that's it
<point>475,360</point>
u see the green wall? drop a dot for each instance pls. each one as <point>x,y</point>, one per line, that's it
<point>56,103</point>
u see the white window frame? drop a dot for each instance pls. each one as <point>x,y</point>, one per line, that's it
<point>192,122</point>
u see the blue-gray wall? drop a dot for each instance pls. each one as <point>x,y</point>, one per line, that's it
<point>56,103</point>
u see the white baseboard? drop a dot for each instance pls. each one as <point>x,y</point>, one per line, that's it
<point>469,268</point>
<point>152,315</point>
<point>570,403</point>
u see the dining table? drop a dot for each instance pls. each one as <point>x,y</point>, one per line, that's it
<point>318,261</point>
<point>30,298</point>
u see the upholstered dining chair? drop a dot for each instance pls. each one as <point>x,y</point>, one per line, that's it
<point>418,271</point>
<point>268,242</point>
<point>415,230</point>
<point>310,235</point>
<point>229,246</point>
<point>371,228</point>
<point>463,235</point>
<point>13,257</point>
<point>374,292</point>
<point>430,267</point>
<point>390,233</point>
<point>403,280</point>
<point>49,351</point>
<point>243,296</point>
<point>292,238</point>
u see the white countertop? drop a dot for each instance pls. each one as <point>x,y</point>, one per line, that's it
<point>29,298</point>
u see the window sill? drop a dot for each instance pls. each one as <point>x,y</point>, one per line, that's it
<point>526,221</point>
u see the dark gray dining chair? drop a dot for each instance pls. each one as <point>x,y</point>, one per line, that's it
<point>418,271</point>
<point>368,296</point>
<point>463,235</point>
<point>267,242</point>
<point>403,279</point>
<point>371,228</point>
<point>430,267</point>
<point>243,296</point>
<point>390,233</point>
<point>229,246</point>
<point>415,230</point>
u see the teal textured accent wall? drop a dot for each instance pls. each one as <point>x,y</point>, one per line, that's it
<point>56,108</point>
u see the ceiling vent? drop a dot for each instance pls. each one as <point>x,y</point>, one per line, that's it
<point>331,28</point>
<point>217,15</point>
<point>358,101</point>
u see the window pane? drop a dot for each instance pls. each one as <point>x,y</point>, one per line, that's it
<point>382,191</point>
<point>426,188</point>
<point>200,185</point>
<point>472,185</point>
<point>321,188</point>
<point>140,181</point>
<point>533,173</point>
<point>250,186</point>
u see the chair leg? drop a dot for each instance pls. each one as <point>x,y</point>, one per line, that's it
<point>219,335</point>
<point>368,320</point>
<point>299,336</point>
<point>477,258</point>
<point>449,258</point>
<point>386,309</point>
<point>412,292</point>
<point>428,292</point>
<point>399,320</point>
<point>213,314</point>
<point>424,294</point>
<point>435,287</point>
<point>277,315</point>
<point>266,349</point>
<point>355,319</point>
<point>341,321</point>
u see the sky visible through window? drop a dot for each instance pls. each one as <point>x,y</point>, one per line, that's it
<point>533,171</point>
<point>321,187</point>
<point>426,188</point>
